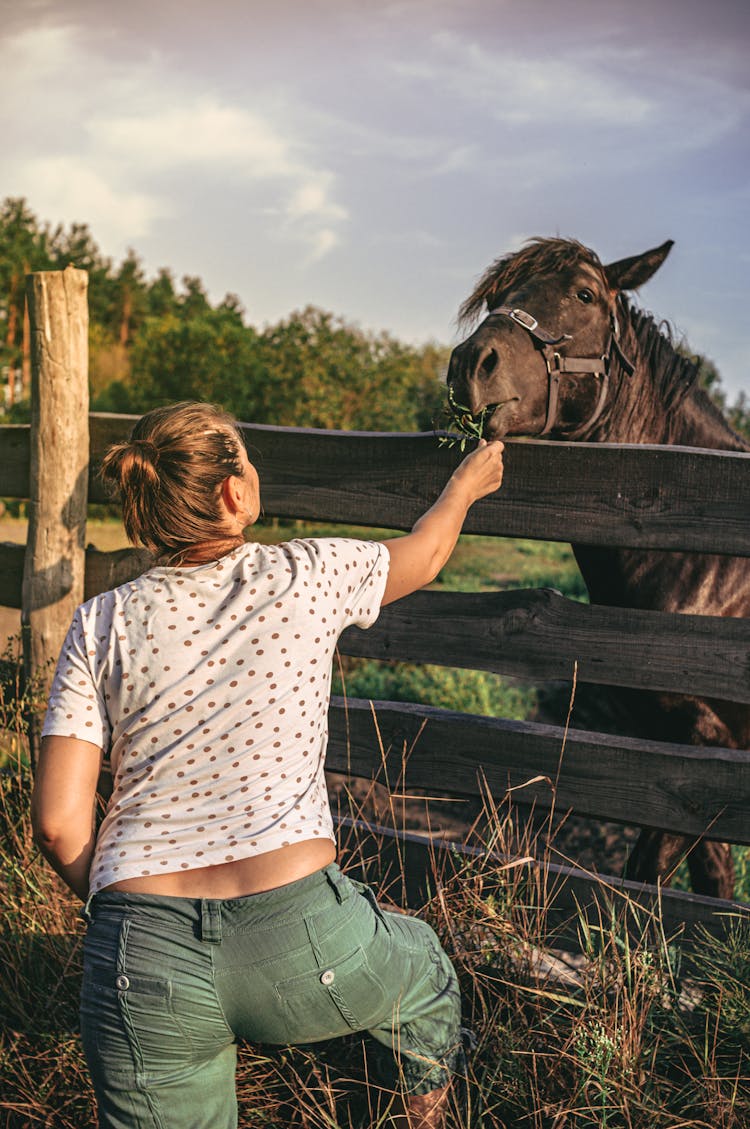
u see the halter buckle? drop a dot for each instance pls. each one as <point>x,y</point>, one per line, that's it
<point>526,320</point>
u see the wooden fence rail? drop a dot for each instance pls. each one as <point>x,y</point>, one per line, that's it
<point>409,865</point>
<point>597,494</point>
<point>677,787</point>
<point>535,634</point>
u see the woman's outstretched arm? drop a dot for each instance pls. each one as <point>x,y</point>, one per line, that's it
<point>417,558</point>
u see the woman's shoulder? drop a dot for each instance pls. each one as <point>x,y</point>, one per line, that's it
<point>324,549</point>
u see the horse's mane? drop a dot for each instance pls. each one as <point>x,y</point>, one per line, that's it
<point>542,257</point>
<point>673,373</point>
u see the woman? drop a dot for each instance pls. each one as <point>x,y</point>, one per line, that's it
<point>216,910</point>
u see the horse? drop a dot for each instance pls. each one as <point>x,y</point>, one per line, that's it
<point>565,353</point>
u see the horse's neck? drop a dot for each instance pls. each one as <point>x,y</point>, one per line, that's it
<point>698,423</point>
<point>639,577</point>
<point>640,417</point>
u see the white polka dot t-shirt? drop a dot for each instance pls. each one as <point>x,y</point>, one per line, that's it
<point>209,687</point>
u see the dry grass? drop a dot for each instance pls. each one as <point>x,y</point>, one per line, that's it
<point>620,1036</point>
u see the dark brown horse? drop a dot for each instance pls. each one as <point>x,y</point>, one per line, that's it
<point>564,353</point>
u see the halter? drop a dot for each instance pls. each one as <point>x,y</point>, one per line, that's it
<point>556,365</point>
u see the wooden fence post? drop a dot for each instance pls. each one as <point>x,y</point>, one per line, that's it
<point>54,562</point>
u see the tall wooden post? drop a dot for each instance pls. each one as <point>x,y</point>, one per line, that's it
<point>58,479</point>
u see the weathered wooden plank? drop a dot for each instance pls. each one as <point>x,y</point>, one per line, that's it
<point>14,460</point>
<point>598,494</point>
<point>676,787</point>
<point>11,574</point>
<point>108,570</point>
<point>538,634</point>
<point>58,478</point>
<point>413,865</point>
<point>103,571</point>
<point>534,634</point>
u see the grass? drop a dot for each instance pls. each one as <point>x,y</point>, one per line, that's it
<point>622,1036</point>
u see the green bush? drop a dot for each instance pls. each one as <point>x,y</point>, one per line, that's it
<point>467,691</point>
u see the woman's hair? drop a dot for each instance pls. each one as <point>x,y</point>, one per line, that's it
<point>169,474</point>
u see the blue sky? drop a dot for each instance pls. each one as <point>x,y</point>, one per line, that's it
<point>373,158</point>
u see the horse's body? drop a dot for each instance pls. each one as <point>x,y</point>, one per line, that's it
<point>543,374</point>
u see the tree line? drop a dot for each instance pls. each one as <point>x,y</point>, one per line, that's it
<point>152,341</point>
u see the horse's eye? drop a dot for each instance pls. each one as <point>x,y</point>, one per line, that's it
<point>585,295</point>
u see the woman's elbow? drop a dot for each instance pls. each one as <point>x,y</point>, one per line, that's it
<point>437,561</point>
<point>45,829</point>
<point>48,824</point>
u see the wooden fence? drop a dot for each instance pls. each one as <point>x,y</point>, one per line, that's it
<point>628,496</point>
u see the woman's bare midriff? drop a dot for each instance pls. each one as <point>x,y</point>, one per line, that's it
<point>236,879</point>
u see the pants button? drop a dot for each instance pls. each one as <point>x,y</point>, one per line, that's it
<point>328,977</point>
<point>122,983</point>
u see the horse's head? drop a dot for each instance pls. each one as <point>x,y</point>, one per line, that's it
<point>539,363</point>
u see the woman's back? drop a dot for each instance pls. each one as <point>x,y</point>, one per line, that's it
<point>209,685</point>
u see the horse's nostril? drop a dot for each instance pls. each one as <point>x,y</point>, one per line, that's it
<point>487,364</point>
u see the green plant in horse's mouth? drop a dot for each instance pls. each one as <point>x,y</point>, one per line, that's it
<point>463,419</point>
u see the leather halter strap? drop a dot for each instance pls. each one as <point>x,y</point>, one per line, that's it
<point>557,365</point>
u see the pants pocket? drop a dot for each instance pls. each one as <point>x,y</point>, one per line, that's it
<point>128,1024</point>
<point>327,1002</point>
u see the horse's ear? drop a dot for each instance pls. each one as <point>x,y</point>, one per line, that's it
<point>629,274</point>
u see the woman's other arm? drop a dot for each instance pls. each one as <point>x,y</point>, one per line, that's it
<point>417,558</point>
<point>62,807</point>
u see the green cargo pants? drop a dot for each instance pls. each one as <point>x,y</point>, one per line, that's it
<point>170,984</point>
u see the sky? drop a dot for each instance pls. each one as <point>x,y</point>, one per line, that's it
<point>373,158</point>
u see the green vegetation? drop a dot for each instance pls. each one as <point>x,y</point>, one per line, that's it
<point>468,691</point>
<point>152,342</point>
<point>490,563</point>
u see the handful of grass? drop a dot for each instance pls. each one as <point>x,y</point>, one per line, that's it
<point>468,425</point>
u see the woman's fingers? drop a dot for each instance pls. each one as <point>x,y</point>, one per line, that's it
<point>482,470</point>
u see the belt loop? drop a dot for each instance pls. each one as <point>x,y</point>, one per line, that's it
<point>85,910</point>
<point>334,879</point>
<point>210,921</point>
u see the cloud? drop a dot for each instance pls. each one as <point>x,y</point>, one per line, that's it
<point>312,200</point>
<point>600,95</point>
<point>518,90</point>
<point>324,240</point>
<point>117,134</point>
<point>61,186</point>
<point>202,132</point>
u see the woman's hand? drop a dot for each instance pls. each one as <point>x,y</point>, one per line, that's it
<point>416,559</point>
<point>481,472</point>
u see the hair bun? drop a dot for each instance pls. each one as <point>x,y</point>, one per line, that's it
<point>131,464</point>
<point>146,448</point>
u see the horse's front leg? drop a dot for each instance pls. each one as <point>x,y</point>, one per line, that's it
<point>657,854</point>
